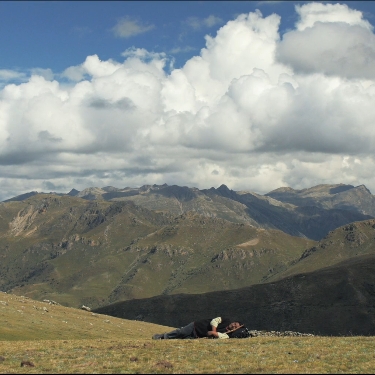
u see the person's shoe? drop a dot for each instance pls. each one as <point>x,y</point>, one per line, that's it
<point>158,337</point>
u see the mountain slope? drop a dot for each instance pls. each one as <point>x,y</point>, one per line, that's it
<point>26,319</point>
<point>311,220</point>
<point>77,251</point>
<point>337,300</point>
<point>308,213</point>
<point>346,242</point>
<point>347,197</point>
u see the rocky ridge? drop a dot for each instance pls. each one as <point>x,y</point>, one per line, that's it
<point>311,212</point>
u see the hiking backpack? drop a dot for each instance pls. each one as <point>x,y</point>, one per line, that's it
<point>240,333</point>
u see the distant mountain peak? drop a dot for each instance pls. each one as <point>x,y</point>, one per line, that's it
<point>73,192</point>
<point>363,188</point>
<point>223,187</point>
<point>282,189</point>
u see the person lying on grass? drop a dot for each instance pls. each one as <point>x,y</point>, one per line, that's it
<point>212,328</point>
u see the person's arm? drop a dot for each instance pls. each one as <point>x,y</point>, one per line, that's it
<point>213,333</point>
<point>214,323</point>
<point>217,335</point>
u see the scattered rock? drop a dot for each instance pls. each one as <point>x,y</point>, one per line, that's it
<point>255,333</point>
<point>50,302</point>
<point>4,303</point>
<point>27,364</point>
<point>85,308</point>
<point>45,309</point>
<point>164,364</point>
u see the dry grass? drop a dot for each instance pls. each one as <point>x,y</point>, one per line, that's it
<point>66,340</point>
<point>22,318</point>
<point>254,355</point>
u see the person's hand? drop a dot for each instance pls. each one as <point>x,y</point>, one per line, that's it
<point>212,334</point>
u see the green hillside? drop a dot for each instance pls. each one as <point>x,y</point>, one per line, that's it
<point>76,251</point>
<point>344,243</point>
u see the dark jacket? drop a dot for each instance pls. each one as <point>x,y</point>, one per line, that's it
<point>201,327</point>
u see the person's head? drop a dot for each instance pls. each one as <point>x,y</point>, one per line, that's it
<point>234,325</point>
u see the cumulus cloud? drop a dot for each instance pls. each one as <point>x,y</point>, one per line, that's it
<point>313,13</point>
<point>247,111</point>
<point>331,39</point>
<point>127,27</point>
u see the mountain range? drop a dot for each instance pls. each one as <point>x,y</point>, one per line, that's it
<point>310,213</point>
<point>106,247</point>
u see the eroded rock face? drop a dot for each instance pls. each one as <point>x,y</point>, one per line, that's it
<point>23,221</point>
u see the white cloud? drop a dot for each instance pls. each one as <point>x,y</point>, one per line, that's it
<point>197,23</point>
<point>182,49</point>
<point>127,27</point>
<point>46,73</point>
<point>143,54</point>
<point>11,75</point>
<point>212,20</point>
<point>331,39</point>
<point>74,73</point>
<point>313,13</point>
<point>233,114</point>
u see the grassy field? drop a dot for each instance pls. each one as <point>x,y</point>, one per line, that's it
<point>254,355</point>
<point>42,338</point>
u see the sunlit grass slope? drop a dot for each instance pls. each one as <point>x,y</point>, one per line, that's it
<point>38,337</point>
<point>26,319</point>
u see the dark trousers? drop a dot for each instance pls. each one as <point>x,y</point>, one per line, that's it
<point>186,332</point>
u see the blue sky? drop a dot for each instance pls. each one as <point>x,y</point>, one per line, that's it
<point>252,94</point>
<point>57,34</point>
